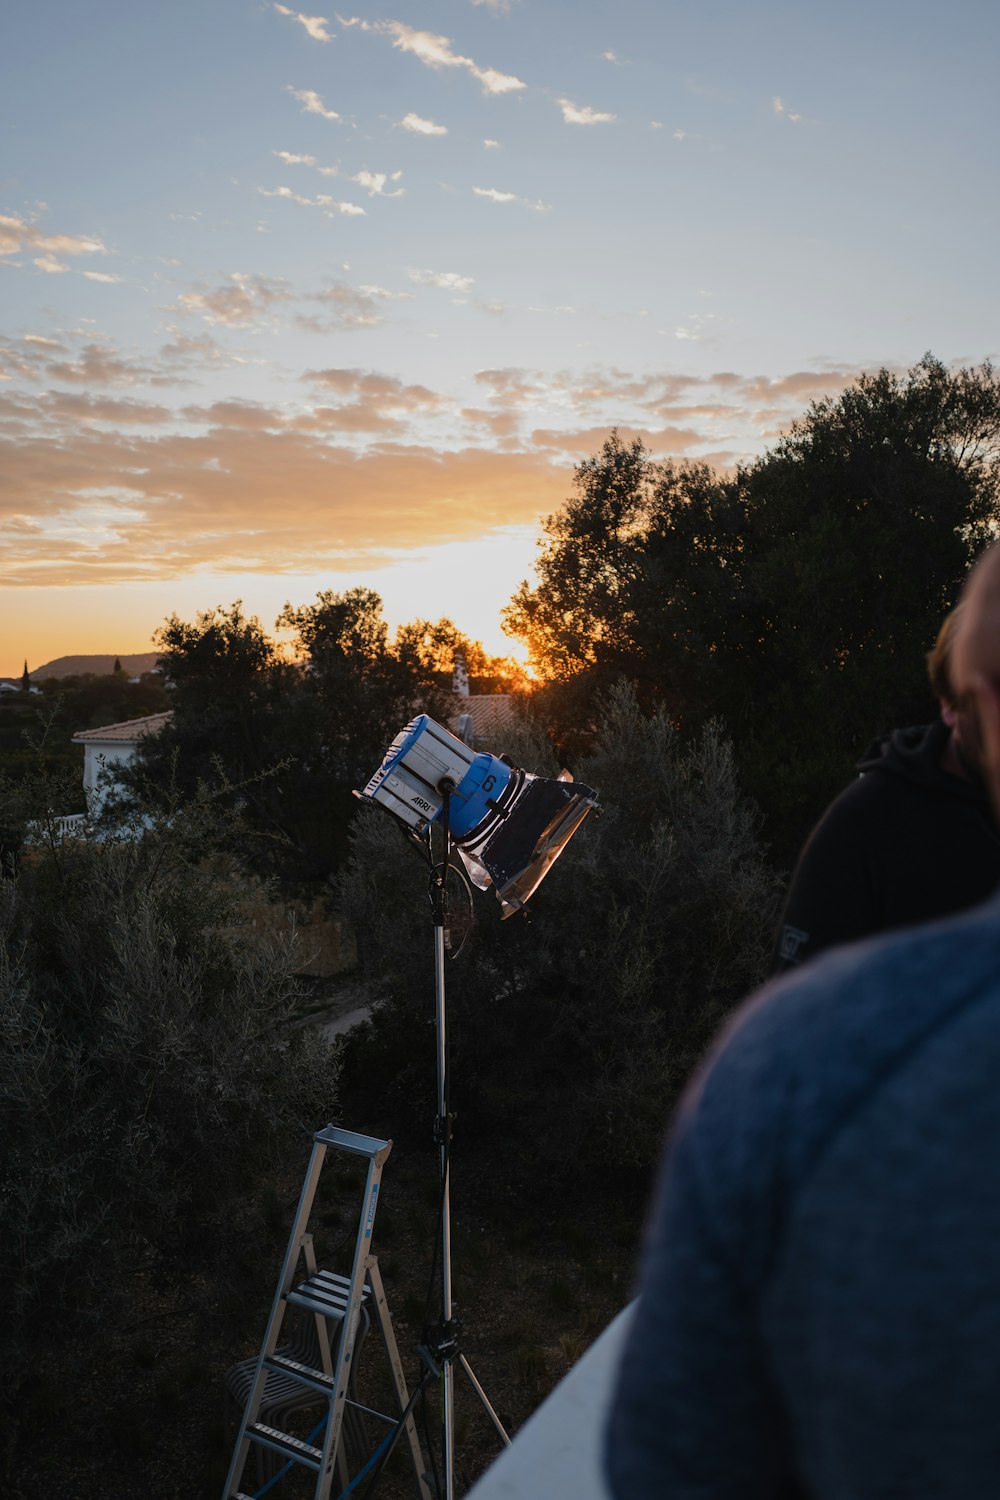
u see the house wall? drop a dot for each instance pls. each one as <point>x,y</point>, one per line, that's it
<point>96,759</point>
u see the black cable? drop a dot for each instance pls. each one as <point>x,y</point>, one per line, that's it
<point>430,1445</point>
<point>397,1431</point>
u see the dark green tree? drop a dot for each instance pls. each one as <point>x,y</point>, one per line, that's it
<point>364,690</point>
<point>235,720</point>
<point>795,598</point>
<point>294,732</point>
<point>25,679</point>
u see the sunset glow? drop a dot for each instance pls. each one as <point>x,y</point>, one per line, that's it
<point>294,302</point>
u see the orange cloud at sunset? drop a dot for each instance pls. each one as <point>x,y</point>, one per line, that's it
<point>108,507</point>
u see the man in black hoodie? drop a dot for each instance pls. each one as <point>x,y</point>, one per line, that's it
<point>913,838</point>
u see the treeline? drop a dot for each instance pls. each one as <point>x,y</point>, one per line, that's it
<point>793,599</point>
<point>36,728</point>
<point>287,732</point>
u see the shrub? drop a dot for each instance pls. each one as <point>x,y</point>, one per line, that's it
<point>577,1023</point>
<point>149,1064</point>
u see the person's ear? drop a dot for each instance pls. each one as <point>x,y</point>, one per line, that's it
<point>987,695</point>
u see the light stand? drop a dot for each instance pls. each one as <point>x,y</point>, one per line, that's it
<point>509,826</point>
<point>442,1349</point>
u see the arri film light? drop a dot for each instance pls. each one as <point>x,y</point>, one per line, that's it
<point>508,825</point>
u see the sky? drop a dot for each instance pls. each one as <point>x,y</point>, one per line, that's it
<point>295,301</point>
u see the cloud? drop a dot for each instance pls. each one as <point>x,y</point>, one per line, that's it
<point>375,183</point>
<point>576,114</point>
<point>286,192</point>
<point>501,7</point>
<point>242,301</point>
<point>104,409</point>
<point>314,25</point>
<point>245,496</point>
<point>581,442</point>
<point>779,109</point>
<point>101,276</point>
<point>292,160</point>
<point>50,265</point>
<point>185,351</point>
<point>385,294</point>
<point>419,126</point>
<point>312,104</point>
<point>343,306</point>
<point>450,281</point>
<point>248,301</point>
<point>696,327</point>
<point>99,488</point>
<point>330,206</point>
<point>496,196</point>
<point>680,135</point>
<point>491,145</point>
<point>17,234</point>
<point>380,391</point>
<point>97,364</point>
<point>436,52</point>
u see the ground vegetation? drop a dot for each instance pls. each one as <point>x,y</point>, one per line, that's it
<point>152,1070</point>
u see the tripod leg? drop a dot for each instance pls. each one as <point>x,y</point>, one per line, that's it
<point>404,1403</point>
<point>484,1399</point>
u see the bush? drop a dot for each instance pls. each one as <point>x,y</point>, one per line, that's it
<point>149,1065</point>
<point>577,1023</point>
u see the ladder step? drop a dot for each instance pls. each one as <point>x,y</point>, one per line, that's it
<point>317,1380</point>
<point>326,1293</point>
<point>352,1143</point>
<point>285,1443</point>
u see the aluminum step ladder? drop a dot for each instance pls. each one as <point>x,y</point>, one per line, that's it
<point>337,1300</point>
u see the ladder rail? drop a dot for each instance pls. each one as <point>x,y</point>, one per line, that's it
<point>328,1297</point>
<point>276,1316</point>
<point>349,1327</point>
<point>384,1320</point>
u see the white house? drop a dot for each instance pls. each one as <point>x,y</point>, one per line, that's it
<point>110,746</point>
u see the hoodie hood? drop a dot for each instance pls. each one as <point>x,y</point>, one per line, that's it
<point>914,755</point>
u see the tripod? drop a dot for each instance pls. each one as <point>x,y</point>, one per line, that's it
<point>442,1351</point>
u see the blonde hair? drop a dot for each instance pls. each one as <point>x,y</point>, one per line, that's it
<point>939,657</point>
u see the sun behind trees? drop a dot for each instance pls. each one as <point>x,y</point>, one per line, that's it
<point>794,598</point>
<point>290,733</point>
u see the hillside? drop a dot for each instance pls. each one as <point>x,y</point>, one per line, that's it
<point>79,666</point>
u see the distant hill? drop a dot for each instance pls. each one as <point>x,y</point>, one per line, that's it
<point>79,666</point>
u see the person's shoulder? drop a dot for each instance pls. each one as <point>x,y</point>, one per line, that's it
<point>801,1051</point>
<point>894,981</point>
<point>856,804</point>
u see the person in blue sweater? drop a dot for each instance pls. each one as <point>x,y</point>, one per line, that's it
<point>819,1307</point>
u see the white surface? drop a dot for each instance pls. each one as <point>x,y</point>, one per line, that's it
<point>557,1452</point>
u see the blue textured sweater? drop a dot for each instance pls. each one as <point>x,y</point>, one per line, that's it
<point>819,1307</point>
